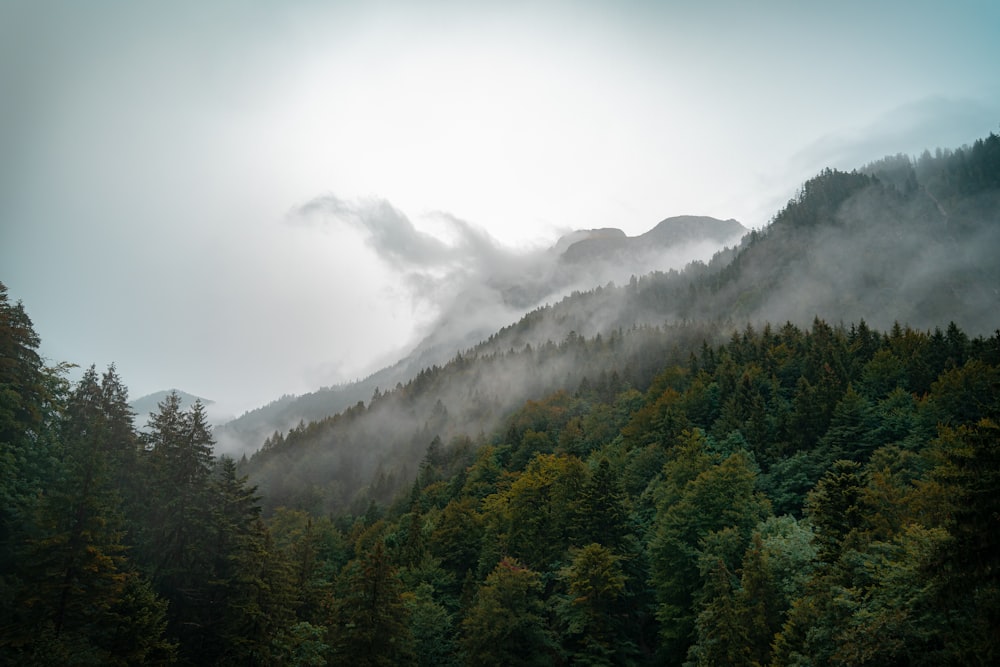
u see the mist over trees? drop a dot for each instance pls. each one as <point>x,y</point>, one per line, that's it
<point>787,455</point>
<point>478,287</point>
<point>899,241</point>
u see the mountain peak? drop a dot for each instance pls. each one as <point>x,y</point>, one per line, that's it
<point>568,240</point>
<point>686,228</point>
<point>670,233</point>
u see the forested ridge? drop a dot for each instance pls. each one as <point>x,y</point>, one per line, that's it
<point>902,240</point>
<point>629,477</point>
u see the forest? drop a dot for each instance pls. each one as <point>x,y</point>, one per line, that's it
<point>629,477</point>
<point>789,497</point>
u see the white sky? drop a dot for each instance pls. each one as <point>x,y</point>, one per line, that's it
<point>152,154</point>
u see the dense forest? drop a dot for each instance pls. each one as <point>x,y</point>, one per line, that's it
<point>629,477</point>
<point>790,497</point>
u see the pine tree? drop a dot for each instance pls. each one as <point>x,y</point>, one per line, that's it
<point>594,609</point>
<point>30,401</point>
<point>250,585</point>
<point>82,600</point>
<point>506,626</point>
<point>721,497</point>
<point>602,513</point>
<point>175,545</point>
<point>373,630</point>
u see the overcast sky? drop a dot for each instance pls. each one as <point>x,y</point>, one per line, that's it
<point>156,158</point>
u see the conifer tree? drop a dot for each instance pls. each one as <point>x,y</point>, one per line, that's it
<point>82,600</point>
<point>594,609</point>
<point>373,629</point>
<point>721,497</point>
<point>506,626</point>
<point>602,514</point>
<point>30,400</point>
<point>176,544</point>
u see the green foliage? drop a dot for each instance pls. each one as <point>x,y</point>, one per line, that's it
<point>373,626</point>
<point>602,513</point>
<point>432,628</point>
<point>506,624</point>
<point>534,518</point>
<point>694,506</point>
<point>823,495</point>
<point>594,608</point>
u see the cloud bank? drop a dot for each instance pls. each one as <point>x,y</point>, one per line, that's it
<point>466,283</point>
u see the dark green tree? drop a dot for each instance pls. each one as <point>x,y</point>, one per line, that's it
<point>602,514</point>
<point>30,404</point>
<point>721,497</point>
<point>374,618</point>
<point>81,599</point>
<point>594,610</point>
<point>506,626</point>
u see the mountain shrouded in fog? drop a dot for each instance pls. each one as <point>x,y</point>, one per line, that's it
<point>910,241</point>
<point>329,175</point>
<point>784,455</point>
<point>489,288</point>
<point>596,333</point>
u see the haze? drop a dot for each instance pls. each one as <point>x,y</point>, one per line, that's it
<point>162,166</point>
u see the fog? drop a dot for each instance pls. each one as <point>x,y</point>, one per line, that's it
<point>900,242</point>
<point>467,284</point>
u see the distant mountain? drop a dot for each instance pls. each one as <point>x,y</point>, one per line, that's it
<point>899,242</point>
<point>145,406</point>
<point>606,245</point>
<point>692,229</point>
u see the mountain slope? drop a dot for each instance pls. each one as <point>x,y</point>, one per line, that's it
<point>913,243</point>
<point>580,260</point>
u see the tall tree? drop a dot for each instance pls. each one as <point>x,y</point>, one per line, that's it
<point>30,402</point>
<point>721,497</point>
<point>967,566</point>
<point>602,514</point>
<point>374,630</point>
<point>506,625</point>
<point>594,609</point>
<point>81,598</point>
<point>175,547</point>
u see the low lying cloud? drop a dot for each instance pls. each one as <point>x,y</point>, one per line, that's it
<point>470,282</point>
<point>466,279</point>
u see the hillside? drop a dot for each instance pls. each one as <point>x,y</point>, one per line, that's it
<point>902,241</point>
<point>503,298</point>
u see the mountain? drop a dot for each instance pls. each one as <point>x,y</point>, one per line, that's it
<point>578,260</point>
<point>899,241</point>
<point>144,406</point>
<point>612,245</point>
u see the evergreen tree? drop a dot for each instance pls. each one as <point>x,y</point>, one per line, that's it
<point>721,497</point>
<point>81,600</point>
<point>30,403</point>
<point>966,568</point>
<point>175,546</point>
<point>602,513</point>
<point>374,629</point>
<point>506,626</point>
<point>594,609</point>
<point>250,587</point>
